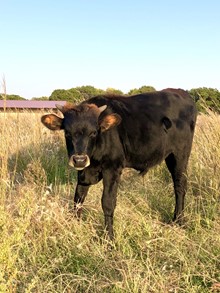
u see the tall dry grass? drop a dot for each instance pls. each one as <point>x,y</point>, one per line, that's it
<point>43,248</point>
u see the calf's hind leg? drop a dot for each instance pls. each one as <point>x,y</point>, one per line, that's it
<point>177,169</point>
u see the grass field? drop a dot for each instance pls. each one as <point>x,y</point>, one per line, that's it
<point>43,248</point>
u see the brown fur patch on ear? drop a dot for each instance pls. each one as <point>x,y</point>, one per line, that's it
<point>52,121</point>
<point>110,121</point>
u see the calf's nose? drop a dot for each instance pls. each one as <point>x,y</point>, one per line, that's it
<point>79,162</point>
<point>79,159</point>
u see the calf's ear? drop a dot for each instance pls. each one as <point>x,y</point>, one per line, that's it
<point>51,121</point>
<point>109,121</point>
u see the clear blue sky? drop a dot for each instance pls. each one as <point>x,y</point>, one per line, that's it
<point>51,44</point>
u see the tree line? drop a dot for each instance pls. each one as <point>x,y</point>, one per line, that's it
<point>204,97</point>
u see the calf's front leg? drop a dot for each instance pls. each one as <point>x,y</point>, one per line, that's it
<point>86,178</point>
<point>79,197</point>
<point>109,197</point>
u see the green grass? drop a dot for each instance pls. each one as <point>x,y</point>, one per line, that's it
<point>43,248</point>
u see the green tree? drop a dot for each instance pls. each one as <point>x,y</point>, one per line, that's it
<point>112,91</point>
<point>58,95</point>
<point>76,95</point>
<point>43,98</point>
<point>89,91</point>
<point>71,95</point>
<point>141,90</point>
<point>206,98</point>
<point>11,97</point>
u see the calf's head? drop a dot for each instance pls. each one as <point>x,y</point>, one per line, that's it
<point>82,125</point>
